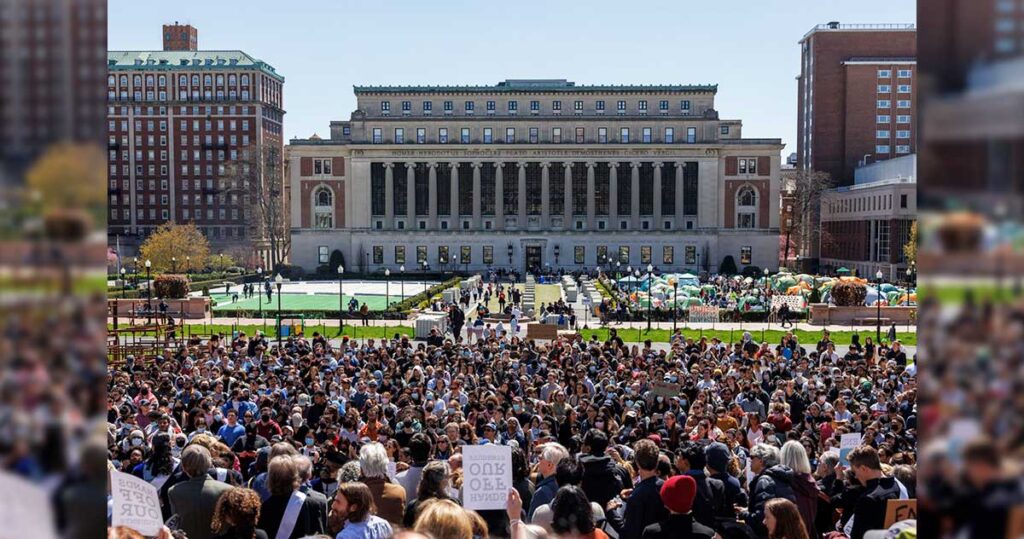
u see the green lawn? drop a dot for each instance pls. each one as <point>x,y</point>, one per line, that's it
<point>298,302</point>
<point>772,336</point>
<point>352,330</point>
<point>955,294</point>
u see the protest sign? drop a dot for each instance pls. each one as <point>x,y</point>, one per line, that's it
<point>897,510</point>
<point>665,389</point>
<point>847,443</point>
<point>24,509</point>
<point>136,504</point>
<point>488,476</point>
<point>703,313</point>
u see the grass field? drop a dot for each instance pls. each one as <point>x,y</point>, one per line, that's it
<point>299,302</point>
<point>772,336</point>
<point>955,294</point>
<point>354,331</point>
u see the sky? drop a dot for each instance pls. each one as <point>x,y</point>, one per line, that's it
<point>324,47</point>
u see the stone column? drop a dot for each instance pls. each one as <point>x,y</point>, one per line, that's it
<point>476,196</point>
<point>657,197</point>
<point>432,196</point>
<point>389,196</point>
<point>410,195</point>
<point>545,194</point>
<point>499,195</point>
<point>680,222</point>
<point>521,200</point>
<point>591,203</point>
<point>613,196</point>
<point>634,197</point>
<point>567,178</point>
<point>453,179</point>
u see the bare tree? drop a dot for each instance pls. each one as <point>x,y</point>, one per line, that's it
<point>804,190</point>
<point>258,177</point>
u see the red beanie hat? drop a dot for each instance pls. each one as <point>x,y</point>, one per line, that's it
<point>678,493</point>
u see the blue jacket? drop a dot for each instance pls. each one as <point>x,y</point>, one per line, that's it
<point>543,494</point>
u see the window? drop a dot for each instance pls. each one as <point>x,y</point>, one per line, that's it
<point>602,135</point>
<point>746,207</point>
<point>691,135</point>
<point>513,106</point>
<point>488,254</point>
<point>903,88</point>
<point>421,254</point>
<point>378,254</point>
<point>684,106</point>
<point>884,73</point>
<point>385,106</point>
<point>465,254</point>
<point>323,254</point>
<point>421,135</point>
<point>406,107</point>
<point>903,104</point>
<point>624,135</point>
<point>599,105</point>
<point>902,148</point>
<point>579,254</point>
<point>884,88</point>
<point>378,137</point>
<point>464,135</point>
<point>903,201</point>
<point>903,118</point>
<point>428,107</point>
<point>882,149</point>
<point>556,135</point>
<point>534,136</point>
<point>399,254</point>
<point>667,255</point>
<point>556,105</point>
<point>399,135</point>
<point>488,135</point>
<point>442,135</point>
<point>490,107</point>
<point>882,133</point>
<point>645,254</point>
<point>645,135</point>
<point>442,254</point>
<point>449,106</point>
<point>578,106</point>
<point>663,105</point>
<point>624,254</point>
<point>621,107</point>
<point>510,135</point>
<point>602,254</point>
<point>748,166</point>
<point>746,255</point>
<point>903,133</point>
<point>580,135</point>
<point>670,135</point>
<point>322,166</point>
<point>884,104</point>
<point>642,106</point>
<point>534,106</point>
<point>883,119</point>
<point>725,130</point>
<point>903,74</point>
<point>469,106</point>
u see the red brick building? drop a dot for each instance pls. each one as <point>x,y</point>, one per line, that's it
<point>180,37</point>
<point>178,121</point>
<point>855,96</point>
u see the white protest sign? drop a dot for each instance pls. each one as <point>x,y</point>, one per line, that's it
<point>703,314</point>
<point>392,470</point>
<point>488,476</point>
<point>136,504</point>
<point>24,509</point>
<point>847,443</point>
<point>960,432</point>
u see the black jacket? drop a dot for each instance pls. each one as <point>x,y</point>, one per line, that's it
<point>312,517</point>
<point>775,482</point>
<point>677,527</point>
<point>643,508</point>
<point>603,479</point>
<point>869,513</point>
<point>709,502</point>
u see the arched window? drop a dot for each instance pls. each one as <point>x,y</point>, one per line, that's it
<point>207,80</point>
<point>231,80</point>
<point>220,80</point>
<point>111,80</point>
<point>124,80</point>
<point>323,208</point>
<point>245,80</point>
<point>163,80</point>
<point>746,207</point>
<point>195,80</point>
<point>149,80</point>
<point>137,80</point>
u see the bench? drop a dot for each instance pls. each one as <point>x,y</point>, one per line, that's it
<point>872,320</point>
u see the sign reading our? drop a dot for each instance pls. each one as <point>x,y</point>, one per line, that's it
<point>488,476</point>
<point>136,504</point>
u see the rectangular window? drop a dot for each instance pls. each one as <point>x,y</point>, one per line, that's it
<point>599,105</point>
<point>442,254</point>
<point>399,254</point>
<point>882,133</point>
<point>645,254</point>
<point>577,106</point>
<point>602,135</point>
<point>579,254</point>
<point>399,135</point>
<point>428,106</point>
<point>534,135</point>
<point>556,105</point>
<point>746,255</point>
<point>903,104</point>
<point>534,106</point>
<point>323,254</point>
<point>449,106</point>
<point>580,135</point>
<point>691,135</point>
<point>469,106</point>
<point>903,89</point>
<point>406,106</point>
<point>556,135</point>
<point>513,106</point>
<point>602,254</point>
<point>663,105</point>
<point>725,130</point>
<point>903,73</point>
<point>624,135</point>
<point>421,135</point>
<point>645,135</point>
<point>642,105</point>
<point>464,135</point>
<point>903,133</point>
<point>378,254</point>
<point>421,254</point>
<point>884,73</point>
<point>882,149</point>
<point>488,135</point>
<point>510,135</point>
<point>667,255</point>
<point>691,254</point>
<point>621,107</point>
<point>624,254</point>
<point>488,254</point>
<point>442,135</point>
<point>902,148</point>
<point>743,166</point>
<point>884,104</point>
<point>684,106</point>
<point>670,135</point>
<point>903,118</point>
<point>883,119</point>
<point>884,89</point>
<point>903,201</point>
<point>490,106</point>
<point>465,254</point>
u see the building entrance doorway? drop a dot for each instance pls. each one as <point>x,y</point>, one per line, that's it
<point>534,260</point>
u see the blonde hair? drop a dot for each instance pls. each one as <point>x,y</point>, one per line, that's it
<point>444,519</point>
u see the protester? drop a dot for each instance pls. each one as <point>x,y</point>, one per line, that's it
<point>794,456</point>
<point>194,500</point>
<point>354,504</point>
<point>290,512</point>
<point>677,495</point>
<point>236,514</point>
<point>434,485</point>
<point>388,498</point>
<point>782,519</point>
<point>572,516</point>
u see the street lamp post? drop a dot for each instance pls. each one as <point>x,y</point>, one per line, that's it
<point>278,281</point>
<point>558,251</point>
<point>650,296</point>
<point>341,300</point>
<point>174,264</point>
<point>675,306</point>
<point>636,279</point>
<point>878,308</point>
<point>387,288</point>
<point>149,292</point>
<point>768,297</point>
<point>259,291</point>
<point>188,264</point>
<point>401,270</point>
<point>135,273</point>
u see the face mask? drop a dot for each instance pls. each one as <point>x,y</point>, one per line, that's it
<point>201,428</point>
<point>415,396</point>
<point>136,442</point>
<point>265,418</point>
<point>384,400</point>
<point>309,441</point>
<point>218,417</point>
<point>517,407</point>
<point>599,424</point>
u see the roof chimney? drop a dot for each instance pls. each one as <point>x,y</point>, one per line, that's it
<point>180,37</point>
<point>834,25</point>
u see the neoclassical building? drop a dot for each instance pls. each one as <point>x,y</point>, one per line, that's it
<point>535,173</point>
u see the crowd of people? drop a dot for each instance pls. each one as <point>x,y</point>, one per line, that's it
<point>363,438</point>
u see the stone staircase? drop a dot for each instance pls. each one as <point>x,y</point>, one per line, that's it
<point>530,295</point>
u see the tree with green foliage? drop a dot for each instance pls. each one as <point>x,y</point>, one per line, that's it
<point>910,249</point>
<point>172,241</point>
<point>728,266</point>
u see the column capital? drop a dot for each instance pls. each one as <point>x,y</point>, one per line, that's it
<point>658,164</point>
<point>634,164</point>
<point>432,164</point>
<point>476,164</point>
<point>545,164</point>
<point>389,165</point>
<point>521,164</point>
<point>453,164</point>
<point>567,165</point>
<point>409,166</point>
<point>680,164</point>
<point>612,164</point>
<point>591,164</point>
<point>499,164</point>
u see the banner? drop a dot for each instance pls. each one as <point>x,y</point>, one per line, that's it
<point>665,389</point>
<point>136,504</point>
<point>24,509</point>
<point>796,303</point>
<point>488,476</point>
<point>703,314</point>
<point>847,443</point>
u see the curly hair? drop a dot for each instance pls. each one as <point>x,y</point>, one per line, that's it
<point>237,508</point>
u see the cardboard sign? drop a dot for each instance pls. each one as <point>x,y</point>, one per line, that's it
<point>488,476</point>
<point>24,509</point>
<point>897,510</point>
<point>1015,523</point>
<point>665,389</point>
<point>703,313</point>
<point>136,504</point>
<point>847,443</point>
